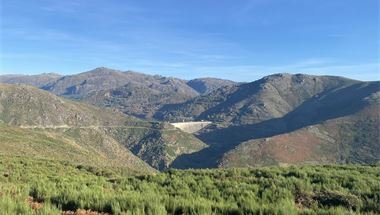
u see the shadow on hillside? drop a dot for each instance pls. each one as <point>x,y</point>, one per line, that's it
<point>235,97</point>
<point>330,105</point>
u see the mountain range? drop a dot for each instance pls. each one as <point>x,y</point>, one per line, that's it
<point>131,92</point>
<point>121,118</point>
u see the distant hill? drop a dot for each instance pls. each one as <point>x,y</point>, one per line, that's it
<point>38,123</point>
<point>141,98</point>
<point>270,97</point>
<point>33,80</point>
<point>278,105</point>
<point>207,85</point>
<point>102,78</point>
<point>133,93</point>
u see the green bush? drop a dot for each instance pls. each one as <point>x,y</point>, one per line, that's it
<point>58,186</point>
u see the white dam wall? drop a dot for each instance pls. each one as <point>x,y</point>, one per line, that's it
<point>191,127</point>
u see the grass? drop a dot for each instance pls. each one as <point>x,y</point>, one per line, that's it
<point>101,146</point>
<point>26,184</point>
<point>80,146</point>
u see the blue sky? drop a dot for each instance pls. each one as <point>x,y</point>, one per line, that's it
<point>241,40</point>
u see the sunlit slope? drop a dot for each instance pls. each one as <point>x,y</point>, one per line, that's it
<point>99,136</point>
<point>350,139</point>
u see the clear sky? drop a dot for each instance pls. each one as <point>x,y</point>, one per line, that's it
<point>241,40</point>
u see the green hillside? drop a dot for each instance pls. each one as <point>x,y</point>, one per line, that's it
<point>75,145</point>
<point>30,186</point>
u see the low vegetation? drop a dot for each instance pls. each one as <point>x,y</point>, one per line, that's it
<point>31,186</point>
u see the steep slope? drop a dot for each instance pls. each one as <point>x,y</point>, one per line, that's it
<point>193,108</point>
<point>75,145</point>
<point>33,80</point>
<point>23,105</point>
<point>97,133</point>
<point>270,97</point>
<point>350,139</point>
<point>207,85</point>
<point>143,98</point>
<point>341,100</point>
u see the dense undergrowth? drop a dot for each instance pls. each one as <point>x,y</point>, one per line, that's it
<point>30,186</point>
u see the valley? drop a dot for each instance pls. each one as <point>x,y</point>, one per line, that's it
<point>297,144</point>
<point>214,122</point>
